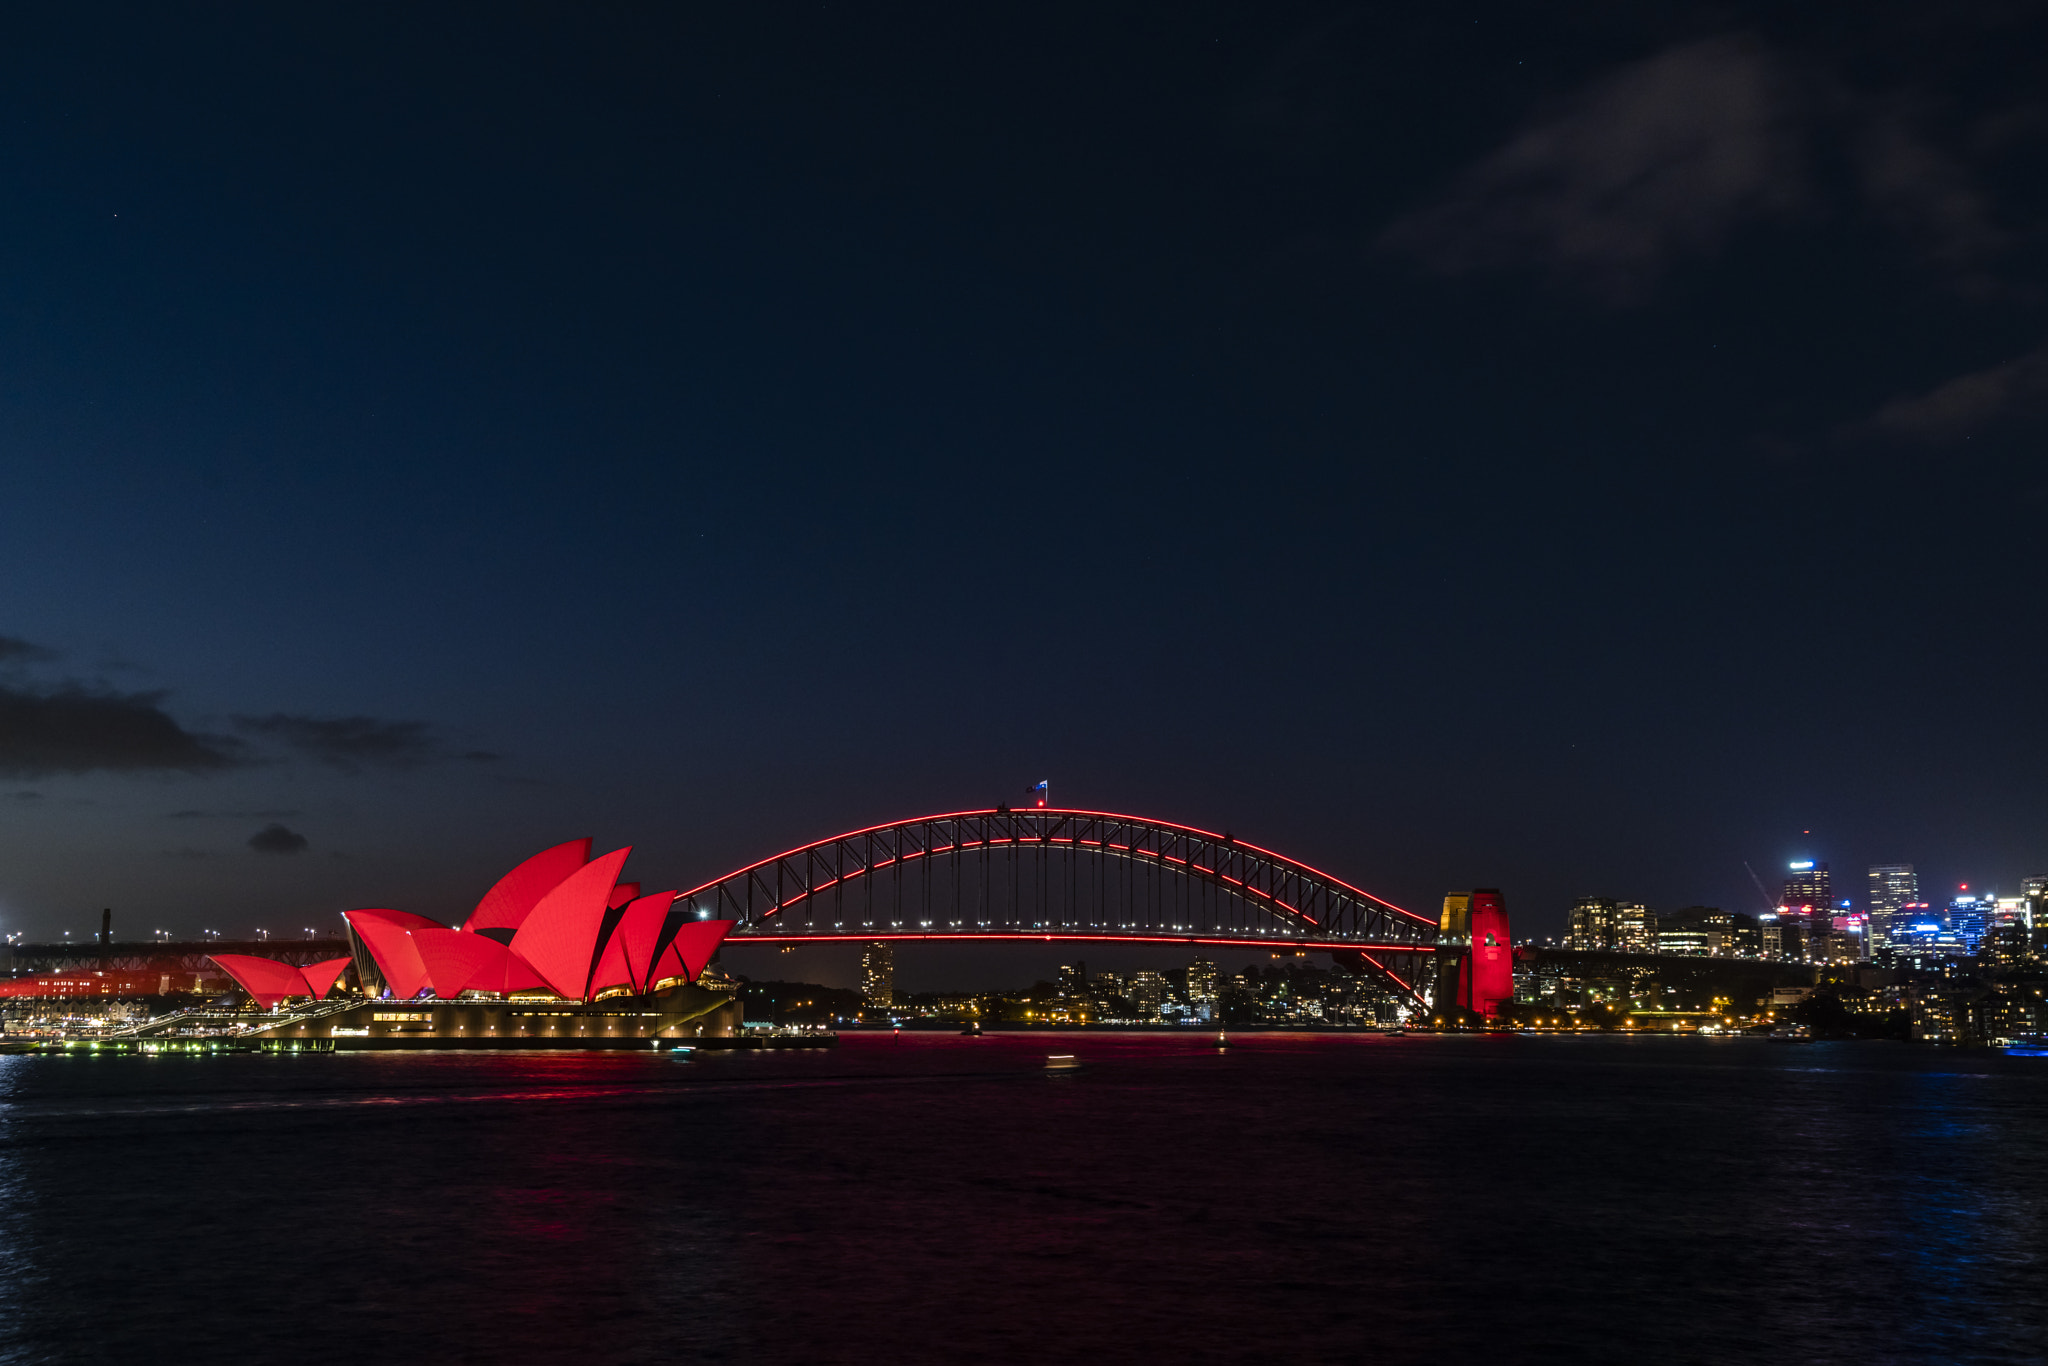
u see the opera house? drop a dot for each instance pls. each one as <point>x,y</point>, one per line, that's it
<point>559,953</point>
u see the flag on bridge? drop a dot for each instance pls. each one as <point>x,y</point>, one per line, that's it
<point>1042,792</point>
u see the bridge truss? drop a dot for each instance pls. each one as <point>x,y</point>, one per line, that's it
<point>1045,873</point>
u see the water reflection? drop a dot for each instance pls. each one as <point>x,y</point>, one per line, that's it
<point>931,1198</point>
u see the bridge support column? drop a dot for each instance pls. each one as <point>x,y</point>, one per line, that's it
<point>1487,980</point>
<point>1453,932</point>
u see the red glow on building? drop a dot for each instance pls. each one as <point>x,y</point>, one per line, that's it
<point>79,982</point>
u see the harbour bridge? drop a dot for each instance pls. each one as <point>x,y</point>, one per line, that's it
<point>1052,874</point>
<point>1037,873</point>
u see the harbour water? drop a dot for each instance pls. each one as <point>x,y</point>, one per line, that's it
<point>933,1198</point>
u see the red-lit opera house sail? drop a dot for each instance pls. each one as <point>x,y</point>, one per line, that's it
<point>385,934</point>
<point>506,905</point>
<point>629,953</point>
<point>457,962</point>
<point>575,935</point>
<point>265,979</point>
<point>559,938</point>
<point>691,949</point>
<point>321,976</point>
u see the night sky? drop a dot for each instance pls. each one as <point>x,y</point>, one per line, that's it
<point>1570,448</point>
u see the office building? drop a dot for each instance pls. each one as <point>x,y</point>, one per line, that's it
<point>1893,887</point>
<point>1808,888</point>
<point>1702,932</point>
<point>1805,909</point>
<point>1969,917</point>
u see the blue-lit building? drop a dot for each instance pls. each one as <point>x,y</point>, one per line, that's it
<point>1969,917</point>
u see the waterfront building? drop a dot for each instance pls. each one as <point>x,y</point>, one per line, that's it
<point>1893,887</point>
<point>1203,995</point>
<point>1593,924</point>
<point>878,975</point>
<point>1147,992</point>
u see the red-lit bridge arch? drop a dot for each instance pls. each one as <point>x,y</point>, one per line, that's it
<point>1043,873</point>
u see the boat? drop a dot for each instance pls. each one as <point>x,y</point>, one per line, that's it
<point>1061,1062</point>
<point>973,1030</point>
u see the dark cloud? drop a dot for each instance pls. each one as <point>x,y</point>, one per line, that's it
<point>194,814</point>
<point>1967,404</point>
<point>349,742</point>
<point>73,729</point>
<point>28,796</point>
<point>13,649</point>
<point>276,839</point>
<point>1655,163</point>
<point>1928,195</point>
<point>1667,157</point>
<point>480,756</point>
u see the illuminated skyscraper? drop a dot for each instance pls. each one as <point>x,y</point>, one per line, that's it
<point>1809,889</point>
<point>1969,917</point>
<point>878,975</point>
<point>1805,910</point>
<point>1893,887</point>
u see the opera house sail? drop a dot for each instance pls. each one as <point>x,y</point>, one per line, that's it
<point>559,953</point>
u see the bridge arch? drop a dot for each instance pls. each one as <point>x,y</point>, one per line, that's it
<point>1048,873</point>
